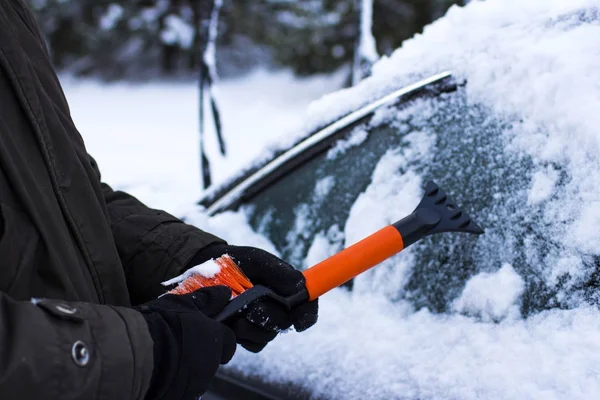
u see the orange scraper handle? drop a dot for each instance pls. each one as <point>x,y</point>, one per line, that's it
<point>436,213</point>
<point>353,261</point>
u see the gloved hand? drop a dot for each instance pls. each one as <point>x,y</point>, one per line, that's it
<point>263,268</point>
<point>189,346</point>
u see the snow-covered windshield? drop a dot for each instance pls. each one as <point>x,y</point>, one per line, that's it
<point>512,314</point>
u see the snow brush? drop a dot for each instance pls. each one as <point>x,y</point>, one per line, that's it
<point>436,213</point>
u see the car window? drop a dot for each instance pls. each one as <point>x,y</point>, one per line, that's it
<point>316,198</point>
<point>304,213</point>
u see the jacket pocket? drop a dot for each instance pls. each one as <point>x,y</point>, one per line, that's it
<point>19,246</point>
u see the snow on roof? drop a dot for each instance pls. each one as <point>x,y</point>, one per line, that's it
<point>538,61</point>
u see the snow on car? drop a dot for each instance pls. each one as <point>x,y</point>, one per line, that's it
<point>512,134</point>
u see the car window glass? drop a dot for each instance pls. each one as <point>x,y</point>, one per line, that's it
<point>466,149</point>
<point>304,212</point>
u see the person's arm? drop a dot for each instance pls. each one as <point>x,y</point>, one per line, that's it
<point>153,245</point>
<point>53,349</point>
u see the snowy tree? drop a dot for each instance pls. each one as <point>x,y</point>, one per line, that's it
<point>144,38</point>
<point>123,38</point>
<point>366,51</point>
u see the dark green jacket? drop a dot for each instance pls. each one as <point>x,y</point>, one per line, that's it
<point>66,236</point>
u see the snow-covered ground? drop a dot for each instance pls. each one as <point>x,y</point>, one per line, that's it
<point>145,137</point>
<point>536,62</point>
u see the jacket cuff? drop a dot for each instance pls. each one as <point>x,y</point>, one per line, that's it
<point>110,349</point>
<point>137,347</point>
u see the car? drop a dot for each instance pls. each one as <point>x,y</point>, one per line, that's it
<point>514,144</point>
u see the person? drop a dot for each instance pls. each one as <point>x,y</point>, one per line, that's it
<point>81,265</point>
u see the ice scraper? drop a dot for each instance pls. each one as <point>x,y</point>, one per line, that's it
<point>436,213</point>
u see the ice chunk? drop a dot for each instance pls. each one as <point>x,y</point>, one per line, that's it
<point>542,186</point>
<point>492,296</point>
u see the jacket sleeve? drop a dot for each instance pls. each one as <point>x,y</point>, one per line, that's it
<point>54,350</point>
<point>152,244</point>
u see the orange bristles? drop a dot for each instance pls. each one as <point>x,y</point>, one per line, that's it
<point>229,275</point>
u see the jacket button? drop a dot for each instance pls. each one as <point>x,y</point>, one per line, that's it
<point>80,354</point>
<point>65,309</point>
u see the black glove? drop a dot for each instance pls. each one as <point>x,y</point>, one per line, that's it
<point>189,346</point>
<point>262,268</point>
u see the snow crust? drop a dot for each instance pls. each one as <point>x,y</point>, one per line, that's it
<point>497,45</point>
<point>492,296</point>
<point>355,139</point>
<point>542,185</point>
<point>324,245</point>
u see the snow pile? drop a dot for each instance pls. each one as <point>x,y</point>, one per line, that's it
<point>497,45</point>
<point>365,348</point>
<point>320,250</point>
<point>550,48</point>
<point>492,296</point>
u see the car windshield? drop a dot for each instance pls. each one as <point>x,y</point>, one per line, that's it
<point>373,175</point>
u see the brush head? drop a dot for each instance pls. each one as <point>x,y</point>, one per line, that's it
<point>228,274</point>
